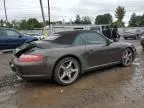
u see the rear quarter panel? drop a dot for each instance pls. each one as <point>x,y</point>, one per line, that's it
<point>54,55</point>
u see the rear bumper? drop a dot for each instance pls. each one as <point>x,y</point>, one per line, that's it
<point>32,70</point>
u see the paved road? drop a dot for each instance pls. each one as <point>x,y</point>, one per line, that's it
<point>115,87</point>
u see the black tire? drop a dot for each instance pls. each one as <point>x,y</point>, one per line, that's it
<point>57,71</point>
<point>131,58</point>
<point>125,38</point>
<point>137,37</point>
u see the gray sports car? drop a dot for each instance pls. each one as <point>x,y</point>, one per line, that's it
<point>64,56</point>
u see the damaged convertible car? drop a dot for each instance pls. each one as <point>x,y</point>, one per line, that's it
<point>64,56</point>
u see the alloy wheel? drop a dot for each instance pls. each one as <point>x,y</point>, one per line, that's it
<point>127,57</point>
<point>68,71</point>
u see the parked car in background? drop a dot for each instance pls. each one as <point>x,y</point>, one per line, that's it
<point>142,41</point>
<point>65,55</point>
<point>10,38</point>
<point>135,34</point>
<point>37,35</point>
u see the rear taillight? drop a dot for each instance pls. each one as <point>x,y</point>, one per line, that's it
<point>30,58</point>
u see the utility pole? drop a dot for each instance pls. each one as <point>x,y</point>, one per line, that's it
<point>49,15</point>
<point>42,11</point>
<point>5,12</point>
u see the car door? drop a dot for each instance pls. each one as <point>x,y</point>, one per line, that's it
<point>98,51</point>
<point>3,40</point>
<point>15,39</point>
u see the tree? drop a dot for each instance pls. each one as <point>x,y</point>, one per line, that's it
<point>33,23</point>
<point>9,25</point>
<point>86,20</point>
<point>2,23</point>
<point>118,24</point>
<point>140,22</point>
<point>136,21</point>
<point>78,20</point>
<point>133,20</point>
<point>119,14</point>
<point>15,24</point>
<point>47,22</point>
<point>103,19</point>
<point>23,25</point>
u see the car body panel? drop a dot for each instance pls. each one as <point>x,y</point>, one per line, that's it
<point>3,43</point>
<point>109,53</point>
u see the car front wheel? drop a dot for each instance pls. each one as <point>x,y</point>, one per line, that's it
<point>67,71</point>
<point>127,57</point>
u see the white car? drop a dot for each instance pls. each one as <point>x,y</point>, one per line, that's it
<point>37,35</point>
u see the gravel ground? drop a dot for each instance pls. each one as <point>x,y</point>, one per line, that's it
<point>115,87</point>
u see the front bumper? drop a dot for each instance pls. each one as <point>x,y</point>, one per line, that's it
<point>31,70</point>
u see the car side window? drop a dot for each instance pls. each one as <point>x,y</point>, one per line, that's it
<point>12,33</point>
<point>93,38</point>
<point>78,41</point>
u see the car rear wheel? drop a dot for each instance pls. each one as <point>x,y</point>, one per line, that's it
<point>67,71</point>
<point>125,38</point>
<point>127,57</point>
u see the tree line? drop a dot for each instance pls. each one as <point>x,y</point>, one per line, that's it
<point>30,24</point>
<point>33,23</point>
<point>136,20</point>
<point>105,18</point>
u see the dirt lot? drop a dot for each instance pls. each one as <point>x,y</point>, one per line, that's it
<point>115,87</point>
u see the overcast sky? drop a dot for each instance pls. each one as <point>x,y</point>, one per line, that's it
<point>68,9</point>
